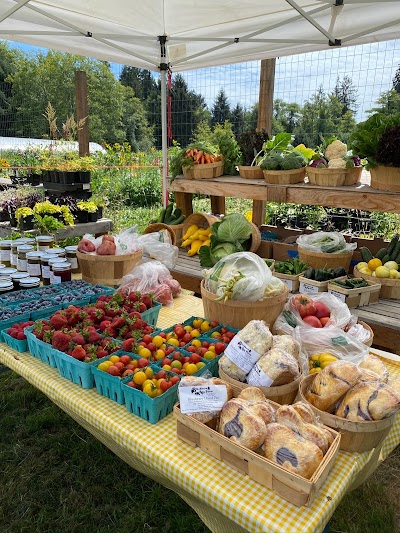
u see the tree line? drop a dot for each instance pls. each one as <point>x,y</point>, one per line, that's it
<point>127,109</point>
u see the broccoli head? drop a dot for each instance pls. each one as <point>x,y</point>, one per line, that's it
<point>272,161</point>
<point>293,160</point>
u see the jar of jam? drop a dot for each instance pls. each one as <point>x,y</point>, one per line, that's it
<point>29,283</point>
<point>16,279</point>
<point>14,246</point>
<point>22,262</point>
<point>34,264</point>
<point>1,267</point>
<point>5,252</point>
<point>46,267</point>
<point>30,240</point>
<point>71,258</point>
<point>7,272</point>
<point>6,286</point>
<point>52,262</point>
<point>61,272</point>
<point>44,242</point>
<point>60,252</point>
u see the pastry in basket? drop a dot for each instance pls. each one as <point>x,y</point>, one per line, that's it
<point>198,380</point>
<point>373,363</point>
<point>252,394</point>
<point>280,367</point>
<point>331,384</point>
<point>305,411</point>
<point>369,401</point>
<point>264,410</point>
<point>394,382</point>
<point>287,344</point>
<point>230,369</point>
<point>289,417</point>
<point>242,426</point>
<point>284,447</point>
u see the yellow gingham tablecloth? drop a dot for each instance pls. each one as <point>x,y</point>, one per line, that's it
<point>226,501</point>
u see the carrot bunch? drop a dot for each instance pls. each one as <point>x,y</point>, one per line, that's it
<point>201,158</point>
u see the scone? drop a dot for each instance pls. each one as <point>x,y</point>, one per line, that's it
<point>278,366</point>
<point>369,401</point>
<point>289,417</point>
<point>373,363</point>
<point>284,447</point>
<point>287,344</point>
<point>331,384</point>
<point>252,394</point>
<point>240,425</point>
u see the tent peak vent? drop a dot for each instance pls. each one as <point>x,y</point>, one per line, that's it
<point>336,42</point>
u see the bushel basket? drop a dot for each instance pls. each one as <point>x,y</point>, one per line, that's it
<point>107,269</point>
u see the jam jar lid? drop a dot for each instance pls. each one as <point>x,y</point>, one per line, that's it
<point>18,242</point>
<point>6,243</point>
<point>46,255</point>
<point>71,248</point>
<point>57,250</point>
<point>8,271</point>
<point>34,255</point>
<point>25,248</point>
<point>56,260</point>
<point>27,282</point>
<point>19,275</point>
<point>30,241</point>
<point>4,284</point>
<point>2,266</point>
<point>44,238</point>
<point>4,278</point>
<point>61,266</point>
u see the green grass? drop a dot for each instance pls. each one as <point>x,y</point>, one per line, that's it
<point>56,478</point>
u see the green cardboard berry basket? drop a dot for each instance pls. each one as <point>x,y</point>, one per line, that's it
<point>6,324</point>
<point>151,315</point>
<point>40,349</point>
<point>15,344</point>
<point>74,370</point>
<point>108,385</point>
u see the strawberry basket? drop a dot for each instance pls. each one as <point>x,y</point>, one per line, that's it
<point>7,323</point>
<point>40,349</point>
<point>74,370</point>
<point>15,344</point>
<point>151,315</point>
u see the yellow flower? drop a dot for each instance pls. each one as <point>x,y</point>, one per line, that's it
<point>249,215</point>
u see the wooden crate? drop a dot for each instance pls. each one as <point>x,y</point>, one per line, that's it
<point>356,297</point>
<point>293,488</point>
<point>356,436</point>
<point>292,281</point>
<point>314,287</point>
<point>204,172</point>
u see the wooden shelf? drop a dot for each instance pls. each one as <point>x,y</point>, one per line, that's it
<point>102,226</point>
<point>361,196</point>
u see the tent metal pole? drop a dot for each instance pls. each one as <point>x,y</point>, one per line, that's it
<point>164,144</point>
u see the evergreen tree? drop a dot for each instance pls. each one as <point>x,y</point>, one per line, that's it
<point>8,63</point>
<point>396,80</point>
<point>141,80</point>
<point>238,115</point>
<point>221,110</point>
<point>388,103</point>
<point>347,94</point>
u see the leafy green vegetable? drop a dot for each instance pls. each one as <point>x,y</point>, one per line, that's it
<point>233,228</point>
<point>272,161</point>
<point>206,260</point>
<point>279,143</point>
<point>307,153</point>
<point>291,266</point>
<point>223,249</point>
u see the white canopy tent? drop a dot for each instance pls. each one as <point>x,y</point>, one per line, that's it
<point>190,34</point>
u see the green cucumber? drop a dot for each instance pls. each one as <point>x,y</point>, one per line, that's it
<point>365,254</point>
<point>395,252</point>
<point>385,259</point>
<point>177,221</point>
<point>381,253</point>
<point>168,212</point>
<point>161,216</point>
<point>177,212</point>
<point>392,245</point>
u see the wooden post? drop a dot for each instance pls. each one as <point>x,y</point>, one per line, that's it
<point>82,111</point>
<point>265,108</point>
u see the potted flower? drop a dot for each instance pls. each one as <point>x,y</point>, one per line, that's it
<point>282,163</point>
<point>24,217</point>
<point>333,165</point>
<point>86,211</point>
<point>251,144</point>
<point>377,140</point>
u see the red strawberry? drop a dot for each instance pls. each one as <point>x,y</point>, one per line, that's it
<point>111,332</point>
<point>101,353</point>
<point>78,353</point>
<point>118,323</point>
<point>132,297</point>
<point>94,337</point>
<point>135,314</point>
<point>60,341</point>
<point>129,345</point>
<point>78,339</point>
<point>104,325</point>
<point>20,336</point>
<point>147,301</point>
<point>58,321</point>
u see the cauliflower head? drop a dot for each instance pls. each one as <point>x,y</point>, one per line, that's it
<point>337,163</point>
<point>336,150</point>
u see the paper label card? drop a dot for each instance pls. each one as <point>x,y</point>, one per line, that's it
<point>202,398</point>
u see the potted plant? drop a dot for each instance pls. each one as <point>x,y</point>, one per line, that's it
<point>47,208</point>
<point>47,224</point>
<point>377,140</point>
<point>83,167</point>
<point>282,163</point>
<point>251,143</point>
<point>333,165</point>
<point>86,211</point>
<point>24,217</point>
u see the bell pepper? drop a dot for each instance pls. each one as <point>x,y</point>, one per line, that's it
<point>320,360</point>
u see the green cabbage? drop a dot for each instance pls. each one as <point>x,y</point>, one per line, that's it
<point>223,249</point>
<point>233,228</point>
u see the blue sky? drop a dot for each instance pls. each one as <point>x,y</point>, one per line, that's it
<point>371,67</point>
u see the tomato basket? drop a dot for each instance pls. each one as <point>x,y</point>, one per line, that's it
<point>15,344</point>
<point>150,409</point>
<point>108,385</point>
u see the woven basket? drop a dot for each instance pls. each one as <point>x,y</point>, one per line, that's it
<point>326,177</point>
<point>284,177</point>
<point>107,269</point>
<point>238,313</point>
<point>154,228</point>
<point>353,176</point>
<point>204,172</point>
<point>385,178</point>
<point>319,260</point>
<point>356,436</point>
<point>390,288</point>
<point>370,340</point>
<point>202,220</point>
<point>251,172</point>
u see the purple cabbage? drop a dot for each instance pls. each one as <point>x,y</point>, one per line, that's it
<point>319,163</point>
<point>356,160</point>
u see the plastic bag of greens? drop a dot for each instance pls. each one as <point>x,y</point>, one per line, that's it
<point>325,242</point>
<point>239,276</point>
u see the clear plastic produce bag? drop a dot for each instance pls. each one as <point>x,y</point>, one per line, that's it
<point>239,276</point>
<point>156,246</point>
<point>325,242</point>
